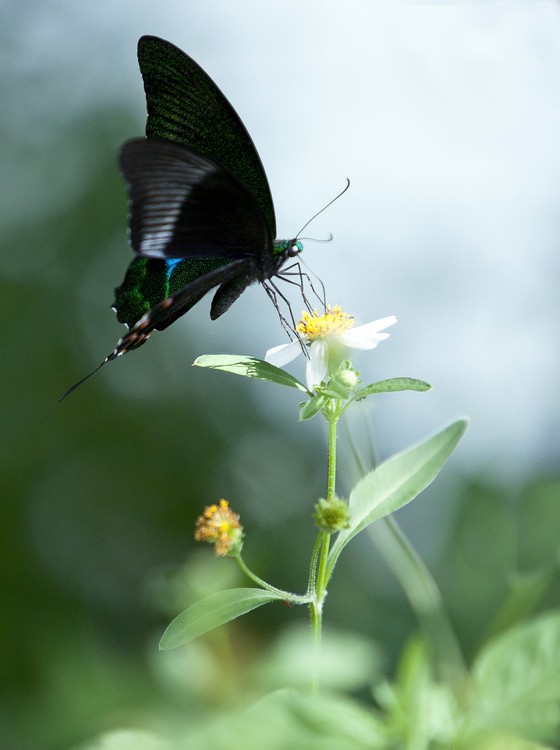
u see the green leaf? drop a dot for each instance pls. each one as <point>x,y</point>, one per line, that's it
<point>291,719</point>
<point>396,482</point>
<point>323,721</point>
<point>250,367</point>
<point>311,407</point>
<point>516,681</point>
<point>390,386</point>
<point>212,611</point>
<point>418,705</point>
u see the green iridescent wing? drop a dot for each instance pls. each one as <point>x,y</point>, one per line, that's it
<point>148,281</point>
<point>186,106</point>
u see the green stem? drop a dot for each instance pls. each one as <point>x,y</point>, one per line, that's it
<point>322,576</point>
<point>316,604</point>
<point>322,572</point>
<point>312,585</point>
<point>318,586</point>
<point>331,470</point>
<point>316,618</point>
<point>319,573</point>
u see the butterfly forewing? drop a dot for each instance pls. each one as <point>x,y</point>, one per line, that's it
<point>186,106</point>
<point>183,205</point>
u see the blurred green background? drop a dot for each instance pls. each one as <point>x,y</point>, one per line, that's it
<point>100,493</point>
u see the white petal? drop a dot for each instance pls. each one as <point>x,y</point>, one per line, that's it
<point>316,368</point>
<point>281,355</point>
<point>359,341</point>
<point>368,335</point>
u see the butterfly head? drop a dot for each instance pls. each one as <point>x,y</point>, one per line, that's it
<point>287,248</point>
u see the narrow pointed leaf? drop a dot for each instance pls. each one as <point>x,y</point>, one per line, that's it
<point>250,367</point>
<point>213,611</point>
<point>390,386</point>
<point>396,482</point>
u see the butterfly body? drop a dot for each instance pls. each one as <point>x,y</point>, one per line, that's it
<point>201,214</point>
<point>202,223</point>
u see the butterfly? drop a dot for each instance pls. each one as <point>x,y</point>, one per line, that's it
<point>201,214</point>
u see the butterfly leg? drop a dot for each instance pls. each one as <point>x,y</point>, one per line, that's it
<point>296,270</point>
<point>273,294</point>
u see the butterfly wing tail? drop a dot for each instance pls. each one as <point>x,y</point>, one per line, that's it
<point>83,380</point>
<point>167,311</point>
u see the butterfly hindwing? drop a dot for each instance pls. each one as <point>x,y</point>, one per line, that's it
<point>148,281</point>
<point>172,307</point>
<point>186,106</point>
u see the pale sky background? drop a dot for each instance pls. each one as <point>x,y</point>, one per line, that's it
<point>446,118</point>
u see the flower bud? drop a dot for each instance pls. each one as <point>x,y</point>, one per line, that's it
<point>332,515</point>
<point>348,378</point>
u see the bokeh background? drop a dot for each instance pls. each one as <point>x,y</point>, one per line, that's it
<point>445,116</point>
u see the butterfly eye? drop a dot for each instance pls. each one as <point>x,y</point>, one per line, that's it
<point>295,249</point>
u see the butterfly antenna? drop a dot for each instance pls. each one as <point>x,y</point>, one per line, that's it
<point>83,380</point>
<point>307,223</point>
<point>317,239</point>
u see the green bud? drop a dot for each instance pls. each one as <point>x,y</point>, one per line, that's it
<point>332,515</point>
<point>348,378</point>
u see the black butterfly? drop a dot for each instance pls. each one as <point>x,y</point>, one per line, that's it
<point>201,211</point>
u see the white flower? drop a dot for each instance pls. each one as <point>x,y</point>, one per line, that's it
<point>320,331</point>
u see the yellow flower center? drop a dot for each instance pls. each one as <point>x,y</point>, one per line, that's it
<point>314,326</point>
